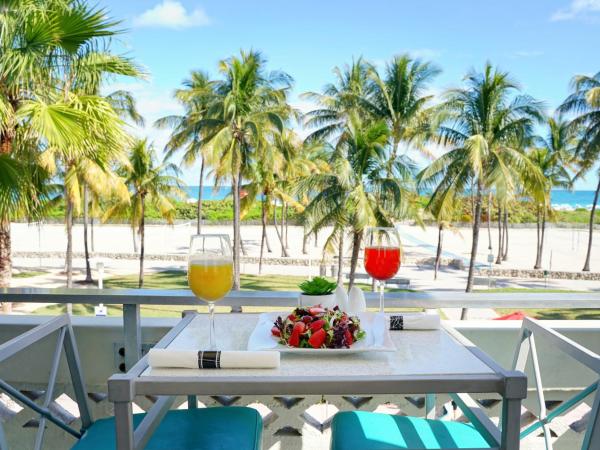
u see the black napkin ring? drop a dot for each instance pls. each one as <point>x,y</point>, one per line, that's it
<point>209,359</point>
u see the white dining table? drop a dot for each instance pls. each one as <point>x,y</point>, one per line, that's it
<point>424,362</point>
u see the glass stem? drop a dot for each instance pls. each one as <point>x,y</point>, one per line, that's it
<point>211,312</point>
<point>381,294</point>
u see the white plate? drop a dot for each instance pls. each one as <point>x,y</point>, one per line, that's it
<point>377,336</point>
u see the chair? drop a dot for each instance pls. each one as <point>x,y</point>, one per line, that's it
<point>373,431</point>
<point>238,428</point>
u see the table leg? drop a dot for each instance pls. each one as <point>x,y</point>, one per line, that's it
<point>192,401</point>
<point>124,425</point>
<point>511,424</point>
<point>430,400</point>
<point>132,331</point>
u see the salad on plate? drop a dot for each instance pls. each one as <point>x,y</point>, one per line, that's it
<point>317,327</point>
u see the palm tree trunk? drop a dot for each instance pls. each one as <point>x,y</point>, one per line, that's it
<point>283,224</point>
<point>88,269</point>
<point>586,266</point>
<point>340,271</point>
<point>543,235</point>
<point>92,233</point>
<point>135,246</point>
<point>476,226</point>
<point>356,241</point>
<point>235,171</point>
<point>438,253</point>
<point>505,249</point>
<point>199,207</point>
<point>263,235</point>
<point>316,239</point>
<point>538,254</point>
<point>287,225</point>
<point>472,202</point>
<point>489,221</point>
<point>5,253</point>
<point>500,237</point>
<point>284,252</point>
<point>69,252</point>
<point>142,234</point>
<point>304,240</point>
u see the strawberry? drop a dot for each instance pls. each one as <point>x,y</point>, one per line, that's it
<point>317,325</point>
<point>315,311</point>
<point>349,338</point>
<point>298,329</point>
<point>275,332</point>
<point>317,339</point>
<point>292,317</point>
<point>307,319</point>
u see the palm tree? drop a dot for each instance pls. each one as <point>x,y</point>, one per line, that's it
<point>553,155</point>
<point>34,53</point>
<point>189,131</point>
<point>149,183</point>
<point>339,100</point>
<point>400,98</point>
<point>585,103</point>
<point>250,107</point>
<point>481,122</point>
<point>356,193</point>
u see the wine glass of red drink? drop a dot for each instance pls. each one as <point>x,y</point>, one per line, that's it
<point>382,256</point>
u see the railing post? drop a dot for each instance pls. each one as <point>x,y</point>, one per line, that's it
<point>132,332</point>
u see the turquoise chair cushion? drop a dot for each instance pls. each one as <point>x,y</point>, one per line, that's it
<point>233,427</point>
<point>363,430</point>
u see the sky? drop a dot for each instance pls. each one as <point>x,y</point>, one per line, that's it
<point>542,43</point>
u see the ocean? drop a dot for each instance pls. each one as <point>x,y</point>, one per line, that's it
<point>561,199</point>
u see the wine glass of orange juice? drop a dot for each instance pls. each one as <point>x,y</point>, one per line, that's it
<point>210,272</point>
<point>382,256</point>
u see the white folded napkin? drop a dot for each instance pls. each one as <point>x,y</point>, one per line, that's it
<point>192,359</point>
<point>415,321</point>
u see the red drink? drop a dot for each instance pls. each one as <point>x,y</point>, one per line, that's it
<point>382,263</point>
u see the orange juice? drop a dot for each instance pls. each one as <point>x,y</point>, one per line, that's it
<point>210,278</point>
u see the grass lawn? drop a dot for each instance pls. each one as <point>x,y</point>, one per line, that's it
<point>177,279</point>
<point>28,274</point>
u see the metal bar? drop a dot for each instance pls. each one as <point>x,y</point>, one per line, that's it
<point>591,440</point>
<point>430,401</point>
<point>15,393</point>
<point>521,350</point>
<point>288,385</point>
<point>39,437</point>
<point>478,418</point>
<point>559,410</point>
<point>124,426</point>
<point>3,443</point>
<point>143,432</point>
<point>537,375</point>
<point>511,422</point>
<point>77,377</point>
<point>32,336</point>
<point>132,331</point>
<point>438,299</point>
<point>573,349</point>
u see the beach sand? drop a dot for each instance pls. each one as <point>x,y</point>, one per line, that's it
<point>565,247</point>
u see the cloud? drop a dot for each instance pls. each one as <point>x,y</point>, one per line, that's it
<point>172,14</point>
<point>577,9</point>
<point>527,54</point>
<point>424,53</point>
